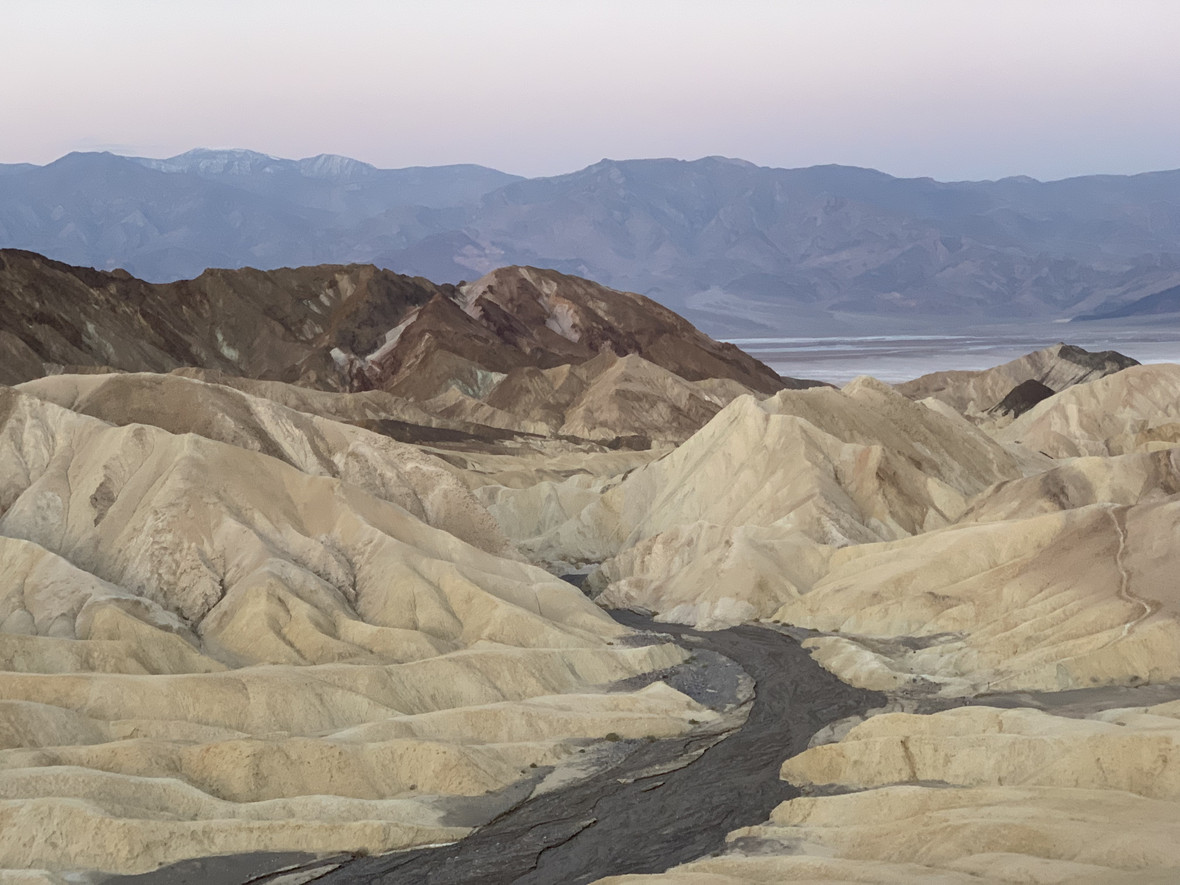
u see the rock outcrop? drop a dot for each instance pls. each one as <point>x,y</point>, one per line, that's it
<point>981,393</point>
<point>1021,398</point>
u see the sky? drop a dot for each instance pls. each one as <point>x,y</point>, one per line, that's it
<point>952,89</point>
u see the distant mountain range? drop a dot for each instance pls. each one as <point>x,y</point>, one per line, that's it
<point>740,249</point>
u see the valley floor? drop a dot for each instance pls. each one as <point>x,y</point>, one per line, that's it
<point>657,804</point>
<point>896,358</point>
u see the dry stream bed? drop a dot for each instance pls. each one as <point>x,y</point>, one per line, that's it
<point>649,805</point>
<point>655,804</point>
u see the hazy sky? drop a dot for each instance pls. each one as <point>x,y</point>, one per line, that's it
<point>947,88</point>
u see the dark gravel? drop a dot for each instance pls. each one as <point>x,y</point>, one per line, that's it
<point>657,804</point>
<point>638,816</point>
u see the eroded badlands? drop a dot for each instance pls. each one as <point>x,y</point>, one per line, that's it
<point>307,597</point>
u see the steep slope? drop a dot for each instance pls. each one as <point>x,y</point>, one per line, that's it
<point>280,325</point>
<point>356,328</point>
<point>805,469</point>
<point>392,471</point>
<point>525,305</point>
<point>969,795</point>
<point>1057,580</point>
<point>1134,410</point>
<point>1061,600</point>
<point>978,393</point>
<point>206,648</point>
<point>520,316</point>
<point>892,468</point>
<point>1079,482</point>
<point>619,401</point>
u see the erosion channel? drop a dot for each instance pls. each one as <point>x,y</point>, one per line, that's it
<point>658,804</point>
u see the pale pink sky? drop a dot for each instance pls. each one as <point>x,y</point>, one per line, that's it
<point>946,88</point>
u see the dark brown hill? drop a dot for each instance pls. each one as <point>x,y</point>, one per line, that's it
<point>1021,398</point>
<point>1056,367</point>
<point>523,316</point>
<point>342,327</point>
<point>543,309</point>
<point>278,325</point>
